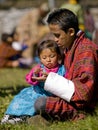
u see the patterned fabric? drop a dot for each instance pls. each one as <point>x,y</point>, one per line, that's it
<point>7,53</point>
<point>23,102</point>
<point>81,63</point>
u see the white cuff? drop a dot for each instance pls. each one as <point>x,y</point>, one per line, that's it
<point>59,86</point>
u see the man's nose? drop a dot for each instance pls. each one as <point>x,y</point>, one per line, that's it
<point>56,39</point>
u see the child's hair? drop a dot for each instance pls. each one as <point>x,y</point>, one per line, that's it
<point>50,44</point>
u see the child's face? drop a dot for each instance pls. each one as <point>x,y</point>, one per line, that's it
<point>49,58</point>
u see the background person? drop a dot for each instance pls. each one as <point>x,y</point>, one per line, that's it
<point>31,29</point>
<point>8,55</point>
<point>74,6</point>
<point>89,23</point>
<point>11,52</point>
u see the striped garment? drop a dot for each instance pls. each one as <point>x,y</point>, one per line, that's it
<point>81,63</point>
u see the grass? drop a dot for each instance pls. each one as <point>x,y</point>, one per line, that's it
<point>11,82</point>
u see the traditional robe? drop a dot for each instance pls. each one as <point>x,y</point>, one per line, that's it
<point>6,55</point>
<point>81,62</point>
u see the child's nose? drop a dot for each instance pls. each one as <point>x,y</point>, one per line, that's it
<point>48,59</point>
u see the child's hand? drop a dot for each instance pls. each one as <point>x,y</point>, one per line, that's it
<point>36,72</point>
<point>42,77</point>
<point>44,74</point>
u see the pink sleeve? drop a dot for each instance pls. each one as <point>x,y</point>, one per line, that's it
<point>29,76</point>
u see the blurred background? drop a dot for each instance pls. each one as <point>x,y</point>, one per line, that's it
<point>26,18</point>
<point>12,10</point>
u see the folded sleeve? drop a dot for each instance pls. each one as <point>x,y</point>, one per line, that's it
<point>59,86</point>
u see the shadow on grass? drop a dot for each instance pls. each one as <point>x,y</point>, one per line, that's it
<point>11,90</point>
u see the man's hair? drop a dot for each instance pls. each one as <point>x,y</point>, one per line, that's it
<point>64,18</point>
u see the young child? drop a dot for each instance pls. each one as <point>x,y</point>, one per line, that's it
<point>22,106</point>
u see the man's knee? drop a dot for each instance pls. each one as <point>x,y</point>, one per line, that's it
<point>40,104</point>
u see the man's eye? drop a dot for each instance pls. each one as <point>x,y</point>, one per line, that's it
<point>57,35</point>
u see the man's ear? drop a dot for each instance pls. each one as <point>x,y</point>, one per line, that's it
<point>71,31</point>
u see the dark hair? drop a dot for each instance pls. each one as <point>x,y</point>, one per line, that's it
<point>64,18</point>
<point>4,37</point>
<point>51,44</point>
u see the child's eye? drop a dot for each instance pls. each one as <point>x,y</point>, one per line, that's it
<point>52,56</point>
<point>44,57</point>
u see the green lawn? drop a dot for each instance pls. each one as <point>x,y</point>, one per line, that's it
<point>11,82</point>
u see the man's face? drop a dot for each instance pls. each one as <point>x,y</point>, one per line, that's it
<point>64,40</point>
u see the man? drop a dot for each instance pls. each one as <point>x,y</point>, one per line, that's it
<point>77,92</point>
